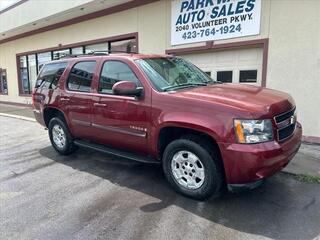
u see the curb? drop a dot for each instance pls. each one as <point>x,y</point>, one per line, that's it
<point>18,117</point>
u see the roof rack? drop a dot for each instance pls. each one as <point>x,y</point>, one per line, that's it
<point>96,53</point>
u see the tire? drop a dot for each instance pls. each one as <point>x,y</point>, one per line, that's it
<point>185,149</point>
<point>66,146</point>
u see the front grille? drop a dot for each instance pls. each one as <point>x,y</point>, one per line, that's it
<point>286,124</point>
<point>284,116</point>
<point>286,132</point>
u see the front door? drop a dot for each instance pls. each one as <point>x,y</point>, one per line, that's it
<point>120,121</point>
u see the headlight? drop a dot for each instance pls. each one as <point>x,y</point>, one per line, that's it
<point>253,131</point>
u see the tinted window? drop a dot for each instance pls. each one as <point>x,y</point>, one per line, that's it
<point>50,75</point>
<point>81,75</point>
<point>248,76</point>
<point>115,71</point>
<point>224,76</point>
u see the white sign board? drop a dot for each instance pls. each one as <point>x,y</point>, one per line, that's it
<point>207,20</point>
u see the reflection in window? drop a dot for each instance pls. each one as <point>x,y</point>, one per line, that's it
<point>43,58</point>
<point>32,70</point>
<point>124,46</point>
<point>3,82</point>
<point>25,85</point>
<point>60,54</point>
<point>50,75</point>
<point>224,76</point>
<point>77,50</point>
<point>101,47</point>
<point>113,72</point>
<point>81,76</point>
<point>248,76</point>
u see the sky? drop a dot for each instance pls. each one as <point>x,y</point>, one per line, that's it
<point>6,3</point>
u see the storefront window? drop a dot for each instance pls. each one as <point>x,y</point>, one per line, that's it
<point>77,51</point>
<point>43,58</point>
<point>24,75</point>
<point>3,82</point>
<point>60,54</point>
<point>32,70</point>
<point>124,46</point>
<point>30,65</point>
<point>101,47</point>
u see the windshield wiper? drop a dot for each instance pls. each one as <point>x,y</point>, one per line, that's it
<point>185,85</point>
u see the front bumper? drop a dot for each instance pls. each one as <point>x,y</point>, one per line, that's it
<point>248,163</point>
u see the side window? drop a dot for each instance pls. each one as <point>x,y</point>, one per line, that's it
<point>50,75</point>
<point>113,72</point>
<point>81,75</point>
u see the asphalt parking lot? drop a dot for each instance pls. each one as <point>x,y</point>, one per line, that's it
<point>90,195</point>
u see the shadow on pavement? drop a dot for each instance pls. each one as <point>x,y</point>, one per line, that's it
<point>280,209</point>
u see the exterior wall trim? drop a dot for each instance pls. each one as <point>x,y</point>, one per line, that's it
<point>210,45</point>
<point>134,35</point>
<point>13,6</point>
<point>101,13</point>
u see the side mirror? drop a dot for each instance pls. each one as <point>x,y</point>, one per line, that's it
<point>127,88</point>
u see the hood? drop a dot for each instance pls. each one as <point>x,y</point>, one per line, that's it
<point>246,97</point>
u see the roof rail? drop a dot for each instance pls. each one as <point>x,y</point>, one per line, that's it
<point>96,53</point>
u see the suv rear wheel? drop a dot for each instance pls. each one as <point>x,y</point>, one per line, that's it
<point>191,170</point>
<point>60,136</point>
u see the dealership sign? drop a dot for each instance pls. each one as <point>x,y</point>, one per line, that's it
<point>206,20</point>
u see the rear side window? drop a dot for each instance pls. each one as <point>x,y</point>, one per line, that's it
<point>81,75</point>
<point>113,72</point>
<point>50,75</point>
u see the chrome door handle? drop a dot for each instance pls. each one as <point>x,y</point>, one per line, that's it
<point>99,105</point>
<point>64,99</point>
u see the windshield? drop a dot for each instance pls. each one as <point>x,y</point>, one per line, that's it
<point>173,73</point>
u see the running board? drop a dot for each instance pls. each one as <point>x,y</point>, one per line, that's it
<point>116,152</point>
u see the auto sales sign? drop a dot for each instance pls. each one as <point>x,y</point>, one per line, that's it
<point>205,20</point>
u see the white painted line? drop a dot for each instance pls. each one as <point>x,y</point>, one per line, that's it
<point>18,117</point>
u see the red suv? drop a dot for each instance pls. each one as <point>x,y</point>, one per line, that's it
<point>163,109</point>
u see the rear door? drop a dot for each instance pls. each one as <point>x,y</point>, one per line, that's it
<point>76,100</point>
<point>46,86</point>
<point>120,121</point>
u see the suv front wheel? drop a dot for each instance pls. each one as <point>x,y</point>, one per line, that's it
<point>60,136</point>
<point>191,170</point>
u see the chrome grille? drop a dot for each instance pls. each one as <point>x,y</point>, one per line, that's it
<point>286,124</point>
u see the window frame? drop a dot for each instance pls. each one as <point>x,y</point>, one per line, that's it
<point>100,73</point>
<point>107,40</point>
<point>92,80</point>
<point>1,89</point>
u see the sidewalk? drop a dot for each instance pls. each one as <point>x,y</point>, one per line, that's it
<point>16,110</point>
<point>307,160</point>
